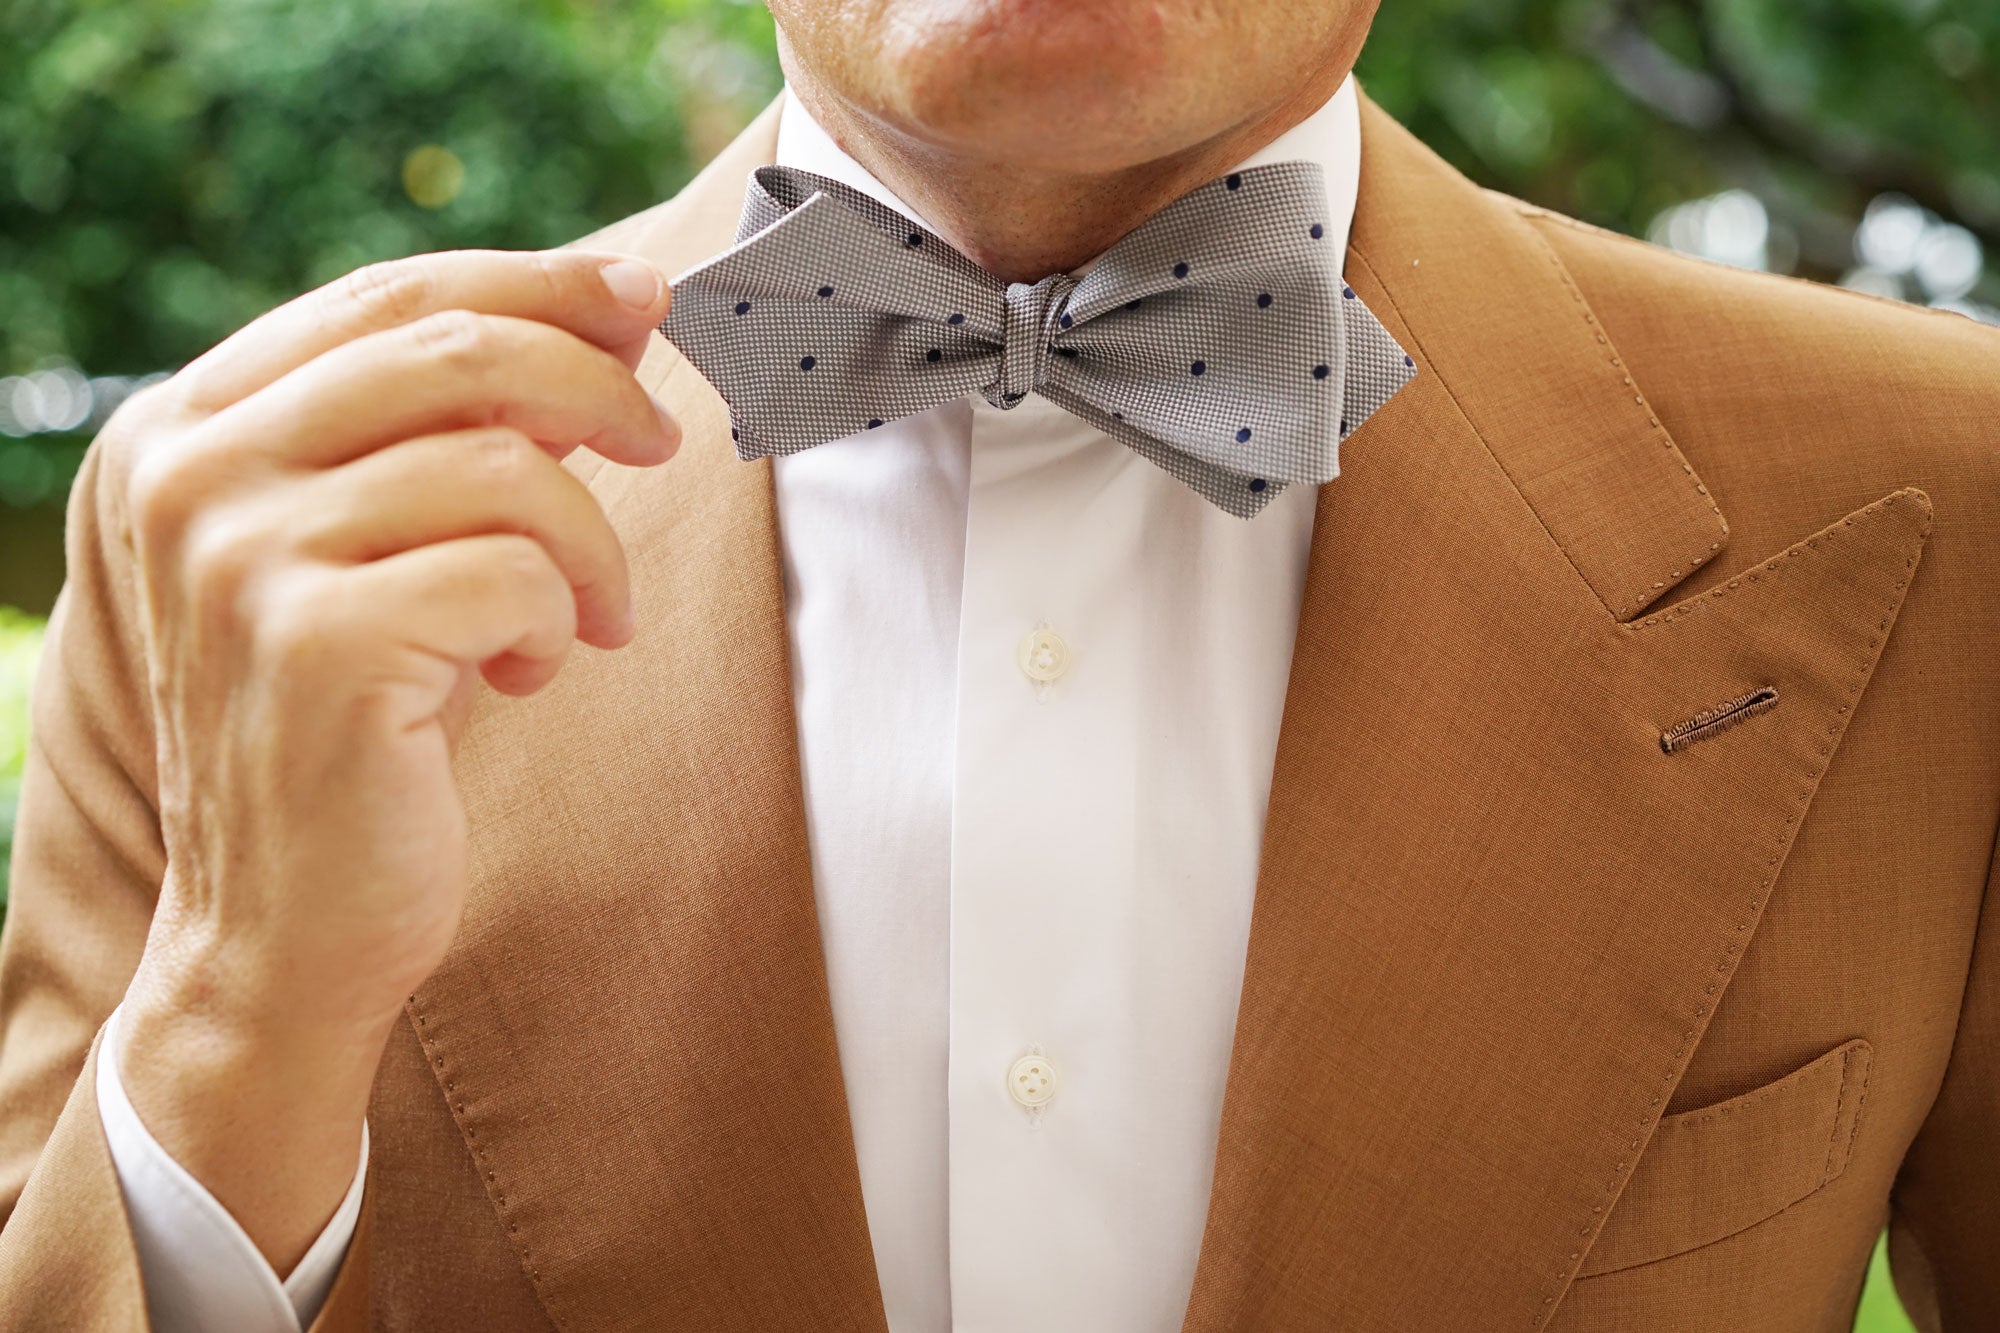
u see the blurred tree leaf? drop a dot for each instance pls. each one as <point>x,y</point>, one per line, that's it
<point>174,169</point>
<point>1612,110</point>
<point>20,650</point>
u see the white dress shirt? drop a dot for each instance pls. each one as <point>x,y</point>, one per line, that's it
<point>1038,685</point>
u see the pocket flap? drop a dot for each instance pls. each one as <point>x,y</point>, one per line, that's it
<point>1711,1172</point>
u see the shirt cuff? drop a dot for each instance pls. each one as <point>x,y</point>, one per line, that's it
<point>201,1270</point>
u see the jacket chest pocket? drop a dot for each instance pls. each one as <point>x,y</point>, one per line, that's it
<point>1712,1172</point>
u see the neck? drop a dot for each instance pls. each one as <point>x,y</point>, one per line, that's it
<point>1023,222</point>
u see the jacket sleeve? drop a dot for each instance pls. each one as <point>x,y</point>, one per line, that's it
<point>1944,1221</point>
<point>87,866</point>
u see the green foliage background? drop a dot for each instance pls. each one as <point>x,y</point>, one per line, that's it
<point>173,168</point>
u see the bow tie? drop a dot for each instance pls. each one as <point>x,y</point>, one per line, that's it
<point>1217,339</point>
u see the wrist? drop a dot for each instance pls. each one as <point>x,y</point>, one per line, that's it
<point>264,1108</point>
<point>271,1060</point>
<point>202,1019</point>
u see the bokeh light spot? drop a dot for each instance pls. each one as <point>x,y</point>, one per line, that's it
<point>433,176</point>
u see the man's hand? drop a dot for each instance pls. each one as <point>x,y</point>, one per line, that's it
<point>342,517</point>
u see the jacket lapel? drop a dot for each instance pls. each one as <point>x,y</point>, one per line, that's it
<point>1494,915</point>
<point>633,1029</point>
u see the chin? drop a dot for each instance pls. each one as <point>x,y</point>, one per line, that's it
<point>1085,86</point>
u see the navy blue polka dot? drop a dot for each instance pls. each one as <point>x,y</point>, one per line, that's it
<point>1198,368</point>
<point>742,307</point>
<point>873,422</point>
<point>1343,425</point>
<point>1347,292</point>
<point>1258,484</point>
<point>1131,305</point>
<point>1181,270</point>
<point>807,363</point>
<point>1263,300</point>
<point>733,435</point>
<point>914,238</point>
<point>1243,436</point>
<point>1316,231</point>
<point>1408,362</point>
<point>1321,372</point>
<point>1117,416</point>
<point>1014,397</point>
<point>956,319</point>
<point>1066,321</point>
<point>934,355</point>
<point>825,292</point>
<point>1235,182</point>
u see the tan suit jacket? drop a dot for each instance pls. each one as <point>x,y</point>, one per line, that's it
<point>1543,1026</point>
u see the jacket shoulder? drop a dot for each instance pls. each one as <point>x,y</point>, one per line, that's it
<point>1796,402</point>
<point>1765,346</point>
<point>700,221</point>
<point>631,233</point>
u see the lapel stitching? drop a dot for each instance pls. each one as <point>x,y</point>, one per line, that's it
<point>1772,571</point>
<point>1411,338</point>
<point>1635,600</point>
<point>496,1189</point>
<point>1778,564</point>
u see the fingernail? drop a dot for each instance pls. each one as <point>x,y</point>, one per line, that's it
<point>632,282</point>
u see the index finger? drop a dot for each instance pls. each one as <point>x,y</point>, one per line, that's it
<point>608,299</point>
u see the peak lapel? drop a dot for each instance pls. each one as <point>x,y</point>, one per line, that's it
<point>633,1030</point>
<point>1494,914</point>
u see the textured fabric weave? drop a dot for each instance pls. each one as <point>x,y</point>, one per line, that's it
<point>1217,339</point>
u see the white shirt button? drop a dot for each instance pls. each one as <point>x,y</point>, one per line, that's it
<point>1044,656</point>
<point>1032,1080</point>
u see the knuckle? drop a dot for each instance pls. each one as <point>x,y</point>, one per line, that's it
<point>392,291</point>
<point>148,408</point>
<point>293,632</point>
<point>161,496</point>
<point>225,548</point>
<point>144,448</point>
<point>502,456</point>
<point>529,567</point>
<point>556,273</point>
<point>458,340</point>
<point>524,562</point>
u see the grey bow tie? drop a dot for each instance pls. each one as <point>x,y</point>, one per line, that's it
<point>1216,339</point>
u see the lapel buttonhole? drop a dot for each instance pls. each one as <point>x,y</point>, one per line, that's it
<point>1721,717</point>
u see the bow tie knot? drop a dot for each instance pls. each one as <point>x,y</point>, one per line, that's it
<point>1215,339</point>
<point>1034,319</point>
